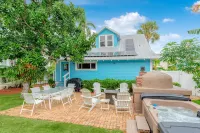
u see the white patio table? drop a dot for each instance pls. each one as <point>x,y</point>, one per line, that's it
<point>51,92</point>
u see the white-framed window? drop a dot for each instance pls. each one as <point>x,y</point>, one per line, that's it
<point>86,66</point>
<point>106,40</point>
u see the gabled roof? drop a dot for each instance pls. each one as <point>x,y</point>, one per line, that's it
<point>109,29</point>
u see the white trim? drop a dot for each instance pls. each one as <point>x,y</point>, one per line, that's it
<point>69,69</point>
<point>151,65</point>
<point>55,73</point>
<point>121,58</point>
<point>86,69</point>
<point>106,41</point>
<point>60,71</point>
<point>108,29</point>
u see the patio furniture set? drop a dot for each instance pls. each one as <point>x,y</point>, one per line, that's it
<point>120,98</point>
<point>64,95</point>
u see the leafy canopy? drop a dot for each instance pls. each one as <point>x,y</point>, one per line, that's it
<point>184,56</point>
<point>40,31</point>
<point>149,29</point>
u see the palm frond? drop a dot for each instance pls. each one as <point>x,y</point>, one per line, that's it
<point>195,31</point>
<point>91,25</point>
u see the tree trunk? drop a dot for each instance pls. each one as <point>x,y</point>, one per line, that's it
<point>25,88</point>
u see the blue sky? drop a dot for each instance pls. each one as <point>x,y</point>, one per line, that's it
<point>174,17</point>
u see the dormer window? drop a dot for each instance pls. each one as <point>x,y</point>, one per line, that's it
<point>106,41</point>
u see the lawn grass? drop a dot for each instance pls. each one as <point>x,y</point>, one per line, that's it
<point>196,101</point>
<point>10,101</point>
<point>10,124</point>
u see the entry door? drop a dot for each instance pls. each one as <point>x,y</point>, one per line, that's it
<point>64,69</point>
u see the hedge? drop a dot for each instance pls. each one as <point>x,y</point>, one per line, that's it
<point>110,84</point>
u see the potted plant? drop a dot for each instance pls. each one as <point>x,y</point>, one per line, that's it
<point>52,83</point>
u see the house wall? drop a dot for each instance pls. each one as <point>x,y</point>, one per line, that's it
<point>106,32</point>
<point>123,69</point>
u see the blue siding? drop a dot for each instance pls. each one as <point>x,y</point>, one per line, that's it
<point>106,32</point>
<point>111,69</point>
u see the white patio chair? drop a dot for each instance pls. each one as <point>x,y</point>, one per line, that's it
<point>29,99</point>
<point>123,87</point>
<point>63,96</point>
<point>122,103</point>
<point>46,87</point>
<point>89,101</point>
<point>70,85</point>
<point>97,89</point>
<point>71,94</point>
<point>36,95</point>
<point>35,91</point>
<point>197,92</point>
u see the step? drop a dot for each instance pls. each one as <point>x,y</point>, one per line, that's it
<point>131,126</point>
<point>142,124</point>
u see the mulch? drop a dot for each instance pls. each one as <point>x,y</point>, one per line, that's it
<point>10,91</point>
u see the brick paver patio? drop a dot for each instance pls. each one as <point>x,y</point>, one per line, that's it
<point>71,114</point>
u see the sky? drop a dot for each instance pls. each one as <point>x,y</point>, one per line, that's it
<point>174,17</point>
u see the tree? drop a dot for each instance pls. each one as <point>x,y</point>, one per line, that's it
<point>149,29</point>
<point>184,56</point>
<point>195,9</point>
<point>38,32</point>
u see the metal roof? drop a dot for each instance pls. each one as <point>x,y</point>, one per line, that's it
<point>142,50</point>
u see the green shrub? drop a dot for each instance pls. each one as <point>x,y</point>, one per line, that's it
<point>111,84</point>
<point>176,84</point>
<point>52,83</point>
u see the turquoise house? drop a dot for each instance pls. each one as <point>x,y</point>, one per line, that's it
<point>115,56</point>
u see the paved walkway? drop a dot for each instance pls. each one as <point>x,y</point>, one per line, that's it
<point>71,114</point>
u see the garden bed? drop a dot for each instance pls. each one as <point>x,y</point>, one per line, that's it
<point>10,91</point>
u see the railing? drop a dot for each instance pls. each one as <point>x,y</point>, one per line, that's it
<point>111,54</point>
<point>66,77</point>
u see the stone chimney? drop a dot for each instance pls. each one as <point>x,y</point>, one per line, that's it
<point>139,79</point>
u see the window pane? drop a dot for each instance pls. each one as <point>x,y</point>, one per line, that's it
<point>102,44</point>
<point>93,65</point>
<point>86,66</point>
<point>102,38</point>
<point>109,43</point>
<point>109,37</point>
<point>78,66</point>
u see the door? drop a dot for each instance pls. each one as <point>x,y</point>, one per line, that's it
<point>64,69</point>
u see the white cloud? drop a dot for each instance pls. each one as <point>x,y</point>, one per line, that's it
<point>192,8</point>
<point>126,24</point>
<point>188,8</point>
<point>164,39</point>
<point>93,31</point>
<point>166,20</point>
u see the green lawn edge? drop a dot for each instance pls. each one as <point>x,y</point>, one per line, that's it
<point>9,124</point>
<point>10,101</point>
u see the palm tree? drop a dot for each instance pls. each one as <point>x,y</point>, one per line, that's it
<point>88,26</point>
<point>149,29</point>
<point>195,31</point>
